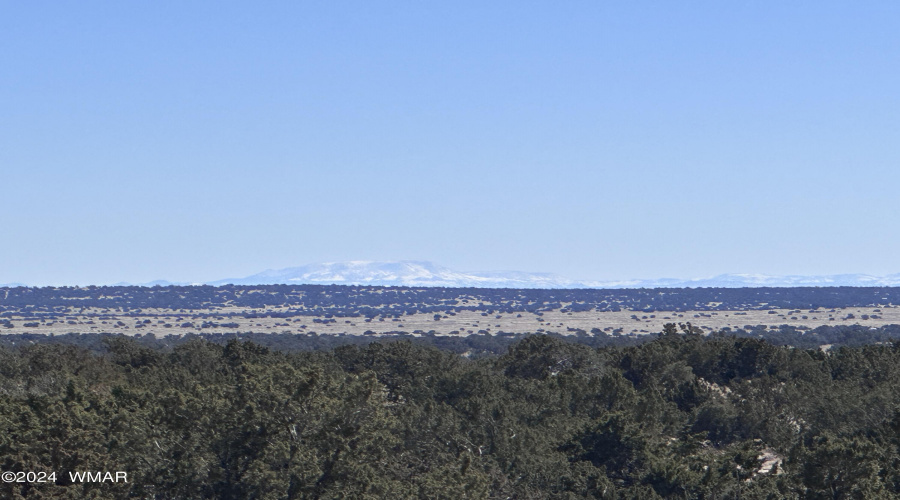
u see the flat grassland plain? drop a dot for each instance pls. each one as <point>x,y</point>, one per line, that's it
<point>376,311</point>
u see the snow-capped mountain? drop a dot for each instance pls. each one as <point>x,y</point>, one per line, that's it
<point>400,273</point>
<point>760,280</point>
<point>421,273</point>
<point>756,280</point>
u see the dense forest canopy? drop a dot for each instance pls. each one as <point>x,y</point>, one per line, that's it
<point>681,416</point>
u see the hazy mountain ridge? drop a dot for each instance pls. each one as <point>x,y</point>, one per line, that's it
<point>400,273</point>
<point>428,274</point>
<point>423,273</point>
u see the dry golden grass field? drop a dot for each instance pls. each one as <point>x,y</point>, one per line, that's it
<point>161,322</point>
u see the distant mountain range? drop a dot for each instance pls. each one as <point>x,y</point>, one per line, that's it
<point>401,273</point>
<point>421,273</point>
<point>762,280</point>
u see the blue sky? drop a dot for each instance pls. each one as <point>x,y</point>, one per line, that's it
<point>597,140</point>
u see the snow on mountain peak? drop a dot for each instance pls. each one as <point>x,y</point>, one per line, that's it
<point>424,273</point>
<point>400,273</point>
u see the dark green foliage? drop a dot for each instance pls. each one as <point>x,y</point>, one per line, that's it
<point>681,416</point>
<point>371,301</point>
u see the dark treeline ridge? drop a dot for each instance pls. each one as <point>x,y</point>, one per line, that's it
<point>681,416</point>
<point>343,300</point>
<point>473,346</point>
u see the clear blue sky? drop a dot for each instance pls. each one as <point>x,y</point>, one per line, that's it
<point>193,141</point>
